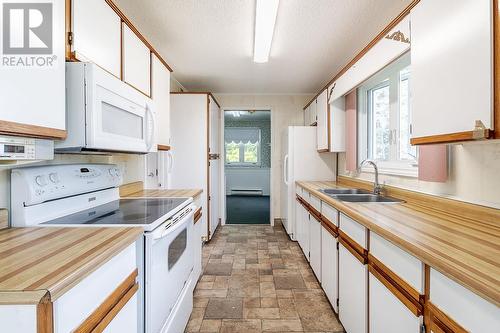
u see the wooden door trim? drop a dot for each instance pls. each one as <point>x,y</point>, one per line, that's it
<point>197,215</point>
<point>34,131</point>
<point>110,306</point>
<point>440,322</point>
<point>368,47</point>
<point>357,250</point>
<point>410,297</point>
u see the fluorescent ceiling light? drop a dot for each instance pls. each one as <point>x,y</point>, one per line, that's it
<point>265,19</point>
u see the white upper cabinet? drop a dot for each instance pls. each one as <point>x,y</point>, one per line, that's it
<point>337,125</point>
<point>136,61</point>
<point>96,34</point>
<point>322,122</point>
<point>161,99</point>
<point>451,65</point>
<point>33,94</point>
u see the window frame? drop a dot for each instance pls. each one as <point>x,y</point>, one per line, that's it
<point>389,76</point>
<point>241,162</point>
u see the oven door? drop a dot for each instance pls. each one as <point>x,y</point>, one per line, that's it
<point>169,263</point>
<point>119,118</point>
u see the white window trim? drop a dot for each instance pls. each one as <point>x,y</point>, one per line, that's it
<point>392,167</point>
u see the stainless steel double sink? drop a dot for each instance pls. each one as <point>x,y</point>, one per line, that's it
<point>357,195</point>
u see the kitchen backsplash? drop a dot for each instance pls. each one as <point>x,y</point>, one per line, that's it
<point>474,175</point>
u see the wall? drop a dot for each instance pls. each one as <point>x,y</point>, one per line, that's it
<point>248,178</point>
<point>474,175</point>
<point>286,110</point>
<point>131,165</point>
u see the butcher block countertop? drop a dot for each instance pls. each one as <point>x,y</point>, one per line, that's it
<point>463,245</point>
<point>164,193</point>
<point>38,263</point>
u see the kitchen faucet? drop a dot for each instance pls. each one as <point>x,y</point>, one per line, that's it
<point>377,188</point>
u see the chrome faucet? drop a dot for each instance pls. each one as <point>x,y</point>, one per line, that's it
<point>377,188</point>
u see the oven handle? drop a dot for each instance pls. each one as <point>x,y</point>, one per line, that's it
<point>162,232</point>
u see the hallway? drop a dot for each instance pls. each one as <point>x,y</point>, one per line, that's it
<point>257,280</point>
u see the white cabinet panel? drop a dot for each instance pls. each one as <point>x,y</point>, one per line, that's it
<point>354,230</point>
<point>403,264</point>
<point>96,34</point>
<point>322,133</point>
<point>329,267</point>
<point>469,310</point>
<point>126,319</point>
<point>337,125</point>
<point>161,98</point>
<point>330,213</point>
<point>451,66</point>
<point>79,302</point>
<point>136,61</point>
<point>315,246</point>
<point>302,225</point>
<point>315,202</point>
<point>353,292</point>
<point>386,312</point>
<point>31,94</point>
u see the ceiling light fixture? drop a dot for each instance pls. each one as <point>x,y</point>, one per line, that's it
<point>265,19</point>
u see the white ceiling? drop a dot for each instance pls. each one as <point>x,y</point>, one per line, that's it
<point>209,43</point>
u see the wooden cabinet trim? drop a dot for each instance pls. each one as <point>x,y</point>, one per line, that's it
<point>440,322</point>
<point>398,287</point>
<point>13,128</point>
<point>197,215</point>
<point>315,214</point>
<point>329,226</point>
<point>111,306</point>
<point>357,250</point>
<point>164,147</point>
<point>45,315</point>
<point>449,138</point>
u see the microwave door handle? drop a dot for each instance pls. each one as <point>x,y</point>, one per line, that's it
<point>170,162</point>
<point>150,139</point>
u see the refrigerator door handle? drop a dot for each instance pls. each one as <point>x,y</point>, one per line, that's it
<point>285,170</point>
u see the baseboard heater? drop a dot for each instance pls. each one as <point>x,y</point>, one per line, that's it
<point>247,191</point>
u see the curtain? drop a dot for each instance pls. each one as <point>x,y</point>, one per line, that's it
<point>433,163</point>
<point>242,134</point>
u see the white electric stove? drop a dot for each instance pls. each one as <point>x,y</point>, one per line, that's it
<point>87,195</point>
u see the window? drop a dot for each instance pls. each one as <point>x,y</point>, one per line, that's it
<point>385,119</point>
<point>242,146</point>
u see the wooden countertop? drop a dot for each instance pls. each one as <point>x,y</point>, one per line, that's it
<point>462,247</point>
<point>164,193</point>
<point>47,262</point>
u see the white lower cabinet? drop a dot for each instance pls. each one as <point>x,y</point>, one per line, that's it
<point>315,246</point>
<point>353,292</point>
<point>329,267</point>
<point>302,228</point>
<point>470,311</point>
<point>387,313</point>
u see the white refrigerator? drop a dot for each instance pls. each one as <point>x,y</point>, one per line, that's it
<point>301,161</point>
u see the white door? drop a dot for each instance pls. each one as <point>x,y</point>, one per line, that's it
<point>136,62</point>
<point>284,179</point>
<point>315,246</point>
<point>451,66</point>
<point>97,34</point>
<point>161,99</point>
<point>329,267</point>
<point>387,313</point>
<point>214,165</point>
<point>353,292</point>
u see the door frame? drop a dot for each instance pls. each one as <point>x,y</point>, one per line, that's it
<point>223,162</point>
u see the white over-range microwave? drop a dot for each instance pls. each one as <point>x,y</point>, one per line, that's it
<point>105,114</point>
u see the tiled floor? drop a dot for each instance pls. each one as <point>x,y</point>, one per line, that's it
<point>257,280</point>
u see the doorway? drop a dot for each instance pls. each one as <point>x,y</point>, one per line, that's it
<point>247,166</point>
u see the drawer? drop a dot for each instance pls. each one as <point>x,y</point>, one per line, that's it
<point>354,230</point>
<point>315,202</point>
<point>403,264</point>
<point>78,303</point>
<point>472,312</point>
<point>330,213</point>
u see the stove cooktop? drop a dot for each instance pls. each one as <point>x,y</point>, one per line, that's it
<point>130,212</point>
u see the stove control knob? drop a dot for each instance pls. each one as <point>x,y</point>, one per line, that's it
<point>41,180</point>
<point>54,178</point>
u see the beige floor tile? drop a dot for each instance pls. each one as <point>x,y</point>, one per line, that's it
<point>280,325</point>
<point>261,313</point>
<point>210,325</point>
<point>241,326</point>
